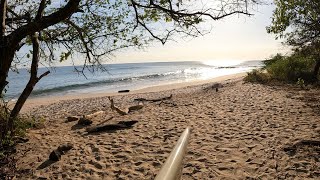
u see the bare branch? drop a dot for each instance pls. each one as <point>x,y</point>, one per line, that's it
<point>80,32</point>
<point>43,75</point>
<point>180,13</point>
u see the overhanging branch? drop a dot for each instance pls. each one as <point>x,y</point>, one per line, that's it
<point>80,32</point>
<point>44,22</point>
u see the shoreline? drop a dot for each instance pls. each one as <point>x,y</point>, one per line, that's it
<point>31,103</point>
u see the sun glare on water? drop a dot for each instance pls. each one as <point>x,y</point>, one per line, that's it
<point>222,62</point>
<point>220,68</point>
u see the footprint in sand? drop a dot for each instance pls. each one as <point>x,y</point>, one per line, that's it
<point>95,150</point>
<point>95,164</point>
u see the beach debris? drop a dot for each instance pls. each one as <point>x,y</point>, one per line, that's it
<point>72,118</point>
<point>113,107</point>
<point>154,100</point>
<point>124,91</point>
<point>56,154</point>
<point>291,150</point>
<point>125,111</point>
<point>105,121</point>
<point>84,121</point>
<point>140,99</point>
<point>112,127</point>
<point>94,114</point>
<point>135,108</point>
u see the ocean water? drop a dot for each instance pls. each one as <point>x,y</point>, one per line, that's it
<point>132,76</point>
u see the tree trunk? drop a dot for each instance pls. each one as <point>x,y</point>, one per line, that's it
<point>3,44</point>
<point>316,69</point>
<point>30,85</point>
<point>6,57</point>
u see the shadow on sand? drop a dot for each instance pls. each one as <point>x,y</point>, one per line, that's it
<point>45,164</point>
<point>77,126</point>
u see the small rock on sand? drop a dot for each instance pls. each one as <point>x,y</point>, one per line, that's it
<point>72,118</point>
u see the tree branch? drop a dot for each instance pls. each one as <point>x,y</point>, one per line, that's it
<point>181,17</point>
<point>80,32</point>
<point>179,13</point>
<point>3,12</point>
<point>43,75</point>
<point>44,22</point>
<point>35,56</point>
<point>41,9</point>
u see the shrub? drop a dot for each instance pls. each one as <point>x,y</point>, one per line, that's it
<point>274,59</point>
<point>21,124</point>
<point>257,76</point>
<point>291,68</point>
<point>301,83</point>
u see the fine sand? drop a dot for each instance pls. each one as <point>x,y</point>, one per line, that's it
<point>239,132</point>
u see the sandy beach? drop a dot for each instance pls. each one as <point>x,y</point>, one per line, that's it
<point>243,131</point>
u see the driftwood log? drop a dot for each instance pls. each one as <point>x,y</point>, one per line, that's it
<point>113,107</point>
<point>126,110</point>
<point>135,108</point>
<point>55,155</point>
<point>154,100</point>
<point>124,91</point>
<point>111,127</point>
<point>94,114</point>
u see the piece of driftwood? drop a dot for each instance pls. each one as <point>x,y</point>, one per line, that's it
<point>111,127</point>
<point>140,99</point>
<point>105,120</point>
<point>55,155</point>
<point>113,107</point>
<point>291,150</point>
<point>154,100</point>
<point>94,114</point>
<point>135,108</point>
<point>124,91</point>
<point>125,111</point>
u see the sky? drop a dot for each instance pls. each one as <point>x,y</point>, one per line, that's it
<point>233,38</point>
